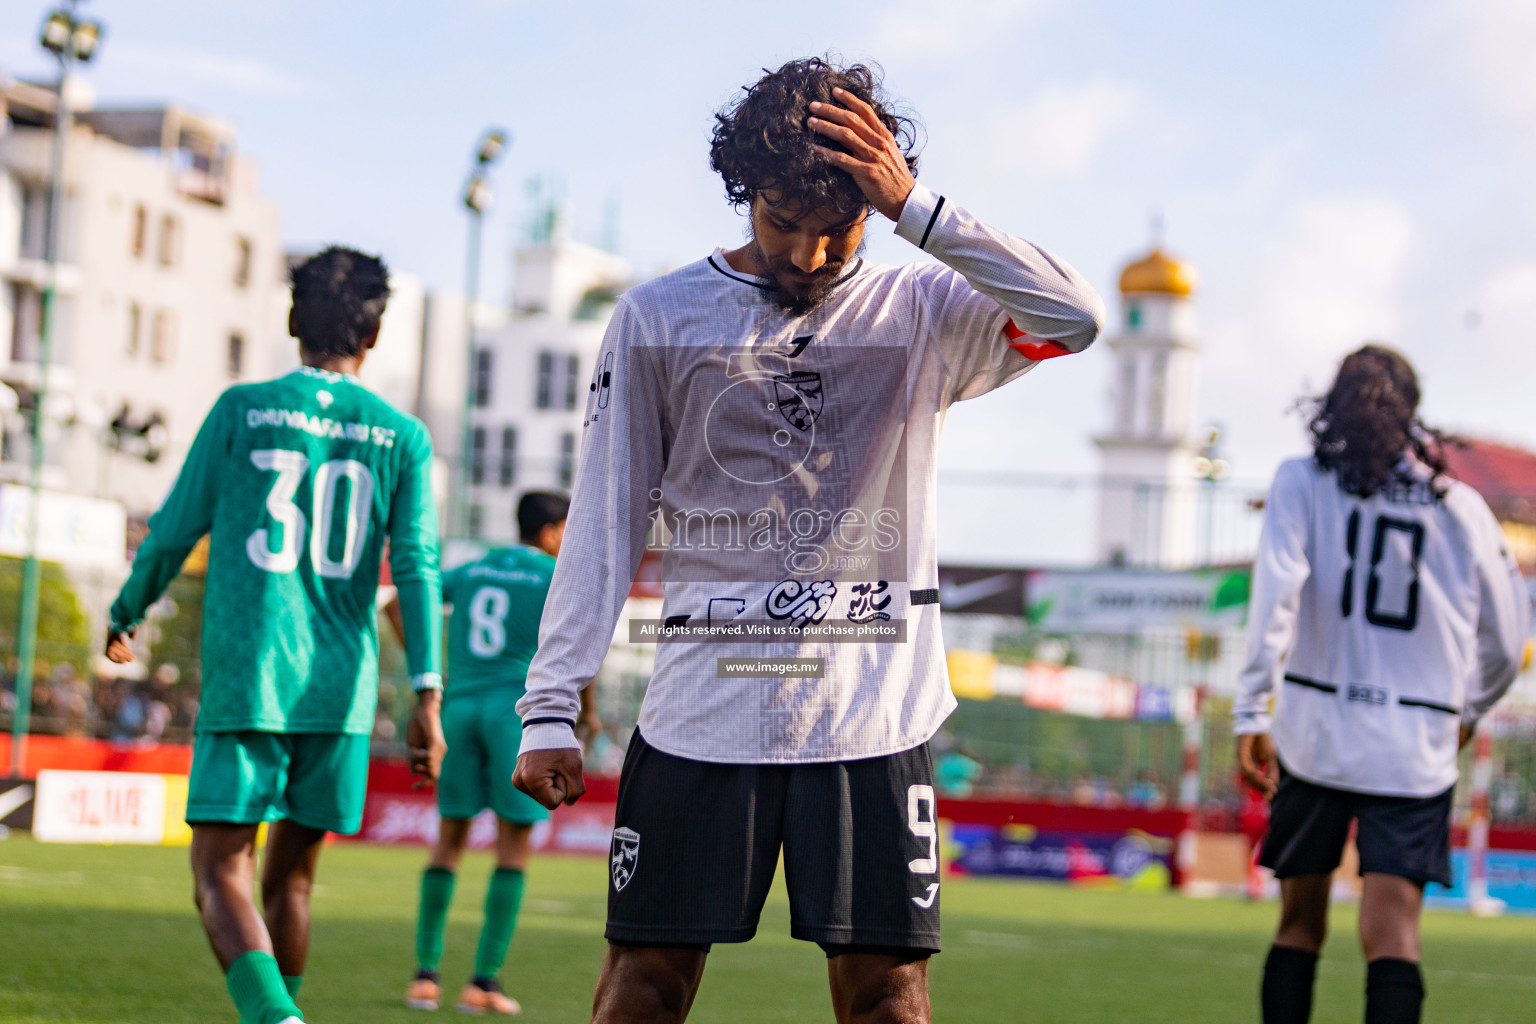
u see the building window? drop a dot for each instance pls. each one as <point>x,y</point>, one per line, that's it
<point>1133,317</point>
<point>26,323</point>
<point>508,469</point>
<point>1157,413</point>
<point>572,367</point>
<point>567,458</point>
<point>482,378</point>
<point>34,222</point>
<point>1125,411</point>
<point>236,360</point>
<point>162,337</point>
<point>477,456</point>
<point>242,262</point>
<point>546,382</point>
<point>140,234</point>
<point>170,241</point>
<point>135,327</point>
<point>476,520</point>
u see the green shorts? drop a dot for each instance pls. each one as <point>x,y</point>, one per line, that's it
<point>483,734</point>
<point>314,779</point>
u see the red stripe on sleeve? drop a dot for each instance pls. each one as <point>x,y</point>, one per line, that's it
<point>1034,350</point>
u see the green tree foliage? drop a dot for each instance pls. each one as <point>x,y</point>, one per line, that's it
<point>177,638</point>
<point>63,631</point>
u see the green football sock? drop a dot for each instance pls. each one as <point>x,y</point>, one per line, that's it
<point>256,986</point>
<point>502,899</point>
<point>436,895</point>
<point>292,982</point>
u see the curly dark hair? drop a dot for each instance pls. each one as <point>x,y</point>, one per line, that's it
<point>338,299</point>
<point>762,140</point>
<point>1366,422</point>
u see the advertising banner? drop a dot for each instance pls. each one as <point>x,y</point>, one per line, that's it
<point>15,804</point>
<point>411,818</point>
<point>975,675</point>
<point>976,591</point>
<point>99,807</point>
<point>1511,878</point>
<point>1120,601</point>
<point>71,530</point>
<point>1128,859</point>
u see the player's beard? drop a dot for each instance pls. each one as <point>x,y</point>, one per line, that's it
<point>803,292</point>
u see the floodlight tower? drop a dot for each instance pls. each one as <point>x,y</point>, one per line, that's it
<point>477,199</point>
<point>71,40</point>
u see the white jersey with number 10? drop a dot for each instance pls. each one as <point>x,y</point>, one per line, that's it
<point>1380,625</point>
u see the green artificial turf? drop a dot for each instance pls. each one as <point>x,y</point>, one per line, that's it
<point>108,934</point>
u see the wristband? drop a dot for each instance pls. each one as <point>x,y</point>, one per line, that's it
<point>427,681</point>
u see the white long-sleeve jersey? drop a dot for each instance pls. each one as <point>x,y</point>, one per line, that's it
<point>1380,625</point>
<point>788,463</point>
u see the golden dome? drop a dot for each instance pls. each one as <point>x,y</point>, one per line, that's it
<point>1157,272</point>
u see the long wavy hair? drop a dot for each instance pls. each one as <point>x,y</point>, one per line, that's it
<point>1368,421</point>
<point>762,140</point>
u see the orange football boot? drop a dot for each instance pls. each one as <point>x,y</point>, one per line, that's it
<point>488,999</point>
<point>424,993</point>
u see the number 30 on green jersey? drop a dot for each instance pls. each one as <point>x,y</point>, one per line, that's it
<point>290,467</point>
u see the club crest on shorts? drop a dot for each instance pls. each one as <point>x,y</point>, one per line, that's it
<point>623,855</point>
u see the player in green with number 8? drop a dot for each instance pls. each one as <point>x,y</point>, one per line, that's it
<point>298,482</point>
<point>496,601</point>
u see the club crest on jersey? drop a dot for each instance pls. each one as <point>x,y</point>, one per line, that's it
<point>799,398</point>
<point>325,398</point>
<point>623,855</point>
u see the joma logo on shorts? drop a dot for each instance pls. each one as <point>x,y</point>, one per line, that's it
<point>1359,693</point>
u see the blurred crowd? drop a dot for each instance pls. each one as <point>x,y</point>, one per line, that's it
<point>161,708</point>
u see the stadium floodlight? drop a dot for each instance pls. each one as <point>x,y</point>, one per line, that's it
<point>71,40</point>
<point>477,199</point>
<point>477,195</point>
<point>68,37</point>
<point>491,145</point>
<point>87,35</point>
<point>57,31</point>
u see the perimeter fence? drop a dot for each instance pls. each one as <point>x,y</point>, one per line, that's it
<point>999,745</point>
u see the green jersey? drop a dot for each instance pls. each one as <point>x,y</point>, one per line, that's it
<point>298,482</point>
<point>497,603</point>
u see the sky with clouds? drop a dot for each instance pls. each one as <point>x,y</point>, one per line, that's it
<point>1337,172</point>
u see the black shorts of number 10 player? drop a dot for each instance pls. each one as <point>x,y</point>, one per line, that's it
<point>696,845</point>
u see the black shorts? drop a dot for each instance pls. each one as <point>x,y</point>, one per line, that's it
<point>696,844</point>
<point>1398,835</point>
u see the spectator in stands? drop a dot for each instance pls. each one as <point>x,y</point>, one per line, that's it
<point>128,724</point>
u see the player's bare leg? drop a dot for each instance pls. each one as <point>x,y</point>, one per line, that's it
<point>287,878</point>
<point>1290,969</point>
<point>646,985</point>
<point>223,870</point>
<point>1389,936</point>
<point>1303,912</point>
<point>452,834</point>
<point>512,845</point>
<point>1389,917</point>
<point>876,988</point>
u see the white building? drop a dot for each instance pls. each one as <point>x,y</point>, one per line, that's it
<point>532,378</point>
<point>420,362</point>
<point>1147,505</point>
<point>170,257</point>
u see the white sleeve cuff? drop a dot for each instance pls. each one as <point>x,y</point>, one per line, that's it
<point>426,681</point>
<point>1247,723</point>
<point>548,736</point>
<point>919,215</point>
